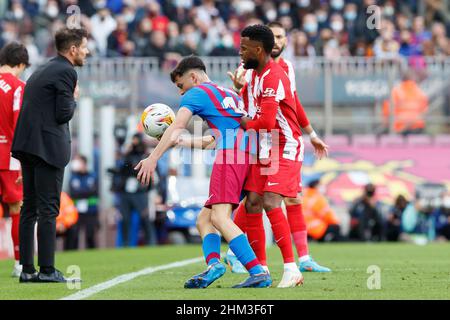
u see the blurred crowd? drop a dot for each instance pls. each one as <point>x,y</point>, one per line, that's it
<point>166,29</point>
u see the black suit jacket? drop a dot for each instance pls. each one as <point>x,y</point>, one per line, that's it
<point>48,105</point>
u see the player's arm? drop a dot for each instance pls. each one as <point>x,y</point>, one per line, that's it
<point>188,141</point>
<point>320,147</point>
<point>147,166</point>
<point>65,100</point>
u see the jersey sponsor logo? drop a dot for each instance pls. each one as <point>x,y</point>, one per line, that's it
<point>269,92</point>
<point>272,183</point>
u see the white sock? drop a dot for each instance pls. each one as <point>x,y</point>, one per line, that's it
<point>304,258</point>
<point>230,252</point>
<point>291,266</point>
<point>16,263</point>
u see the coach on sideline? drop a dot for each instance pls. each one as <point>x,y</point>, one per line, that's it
<point>42,143</point>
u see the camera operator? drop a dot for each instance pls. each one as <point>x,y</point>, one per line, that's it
<point>133,196</point>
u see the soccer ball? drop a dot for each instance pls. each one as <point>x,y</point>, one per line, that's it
<point>156,118</point>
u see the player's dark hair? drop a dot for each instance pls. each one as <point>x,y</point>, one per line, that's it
<point>65,38</point>
<point>83,158</point>
<point>188,63</point>
<point>13,54</point>
<point>275,24</point>
<point>260,33</point>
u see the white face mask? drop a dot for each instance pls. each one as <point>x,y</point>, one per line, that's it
<point>446,202</point>
<point>227,41</point>
<point>76,165</point>
<point>337,26</point>
<point>18,14</point>
<point>271,14</point>
<point>303,3</point>
<point>52,11</point>
<point>337,4</point>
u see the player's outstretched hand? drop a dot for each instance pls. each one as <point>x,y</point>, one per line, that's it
<point>238,78</point>
<point>146,169</point>
<point>320,148</point>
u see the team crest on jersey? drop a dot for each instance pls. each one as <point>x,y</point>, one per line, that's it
<point>269,92</point>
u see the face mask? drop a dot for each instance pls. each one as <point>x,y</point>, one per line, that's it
<point>18,14</point>
<point>303,3</point>
<point>446,202</point>
<point>337,4</point>
<point>77,165</point>
<point>311,27</point>
<point>284,10</point>
<point>227,41</point>
<point>100,4</point>
<point>388,11</point>
<point>337,26</point>
<point>129,17</point>
<point>9,36</point>
<point>52,11</point>
<point>321,17</point>
<point>271,14</point>
<point>350,15</point>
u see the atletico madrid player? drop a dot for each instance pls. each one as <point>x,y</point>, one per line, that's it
<point>13,61</point>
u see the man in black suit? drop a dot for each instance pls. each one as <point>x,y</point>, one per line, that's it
<point>42,143</point>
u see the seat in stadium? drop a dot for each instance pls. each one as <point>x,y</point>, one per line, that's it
<point>364,140</point>
<point>392,141</point>
<point>421,140</point>
<point>442,140</point>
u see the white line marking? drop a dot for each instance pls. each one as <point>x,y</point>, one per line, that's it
<point>83,294</point>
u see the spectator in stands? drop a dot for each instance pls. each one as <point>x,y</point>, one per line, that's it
<point>157,47</point>
<point>366,221</point>
<point>83,188</point>
<point>225,48</point>
<point>141,38</point>
<point>385,46</point>
<point>321,222</point>
<point>119,42</point>
<point>301,45</point>
<point>410,105</point>
<point>102,26</point>
<point>394,219</point>
<point>311,27</point>
<point>441,217</point>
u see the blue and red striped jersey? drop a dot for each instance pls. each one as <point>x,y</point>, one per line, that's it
<point>222,109</point>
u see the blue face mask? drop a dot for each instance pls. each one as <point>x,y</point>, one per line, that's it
<point>350,15</point>
<point>310,27</point>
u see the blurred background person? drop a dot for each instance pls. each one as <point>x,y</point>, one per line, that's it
<point>321,221</point>
<point>394,219</point>
<point>83,188</point>
<point>366,222</point>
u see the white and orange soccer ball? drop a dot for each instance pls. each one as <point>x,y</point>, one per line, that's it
<point>156,118</point>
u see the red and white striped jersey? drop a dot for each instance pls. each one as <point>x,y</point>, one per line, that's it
<point>11,94</point>
<point>270,100</point>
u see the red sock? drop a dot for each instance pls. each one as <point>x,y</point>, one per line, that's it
<point>281,233</point>
<point>240,217</point>
<point>298,228</point>
<point>257,236</point>
<point>15,217</point>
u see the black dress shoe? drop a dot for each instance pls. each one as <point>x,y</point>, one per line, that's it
<point>55,277</point>
<point>28,277</point>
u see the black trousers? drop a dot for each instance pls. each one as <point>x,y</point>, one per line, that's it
<point>42,185</point>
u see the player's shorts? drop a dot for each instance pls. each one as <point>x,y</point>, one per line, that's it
<point>282,177</point>
<point>227,177</point>
<point>10,191</point>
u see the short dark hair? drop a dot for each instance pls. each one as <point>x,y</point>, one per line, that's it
<point>188,63</point>
<point>83,158</point>
<point>65,38</point>
<point>275,24</point>
<point>13,54</point>
<point>260,33</point>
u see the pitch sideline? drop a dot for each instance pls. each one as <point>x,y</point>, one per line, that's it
<point>85,293</point>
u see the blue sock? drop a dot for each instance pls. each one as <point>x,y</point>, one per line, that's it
<point>245,254</point>
<point>211,248</point>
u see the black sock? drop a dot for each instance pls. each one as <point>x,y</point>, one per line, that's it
<point>28,268</point>
<point>47,270</point>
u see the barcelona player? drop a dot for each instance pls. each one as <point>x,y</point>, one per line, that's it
<point>222,109</point>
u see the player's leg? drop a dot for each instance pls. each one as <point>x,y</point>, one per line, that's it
<point>12,195</point>
<point>255,226</point>
<point>240,219</point>
<point>299,233</point>
<point>239,244</point>
<point>211,251</point>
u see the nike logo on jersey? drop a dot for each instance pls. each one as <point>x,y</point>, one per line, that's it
<point>272,183</point>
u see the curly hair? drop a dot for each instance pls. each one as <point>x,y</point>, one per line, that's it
<point>260,33</point>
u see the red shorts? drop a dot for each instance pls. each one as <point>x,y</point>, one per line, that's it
<point>10,191</point>
<point>227,177</point>
<point>281,177</point>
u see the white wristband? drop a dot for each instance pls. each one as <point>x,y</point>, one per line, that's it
<point>313,135</point>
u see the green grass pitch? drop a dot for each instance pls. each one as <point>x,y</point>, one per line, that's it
<point>406,272</point>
